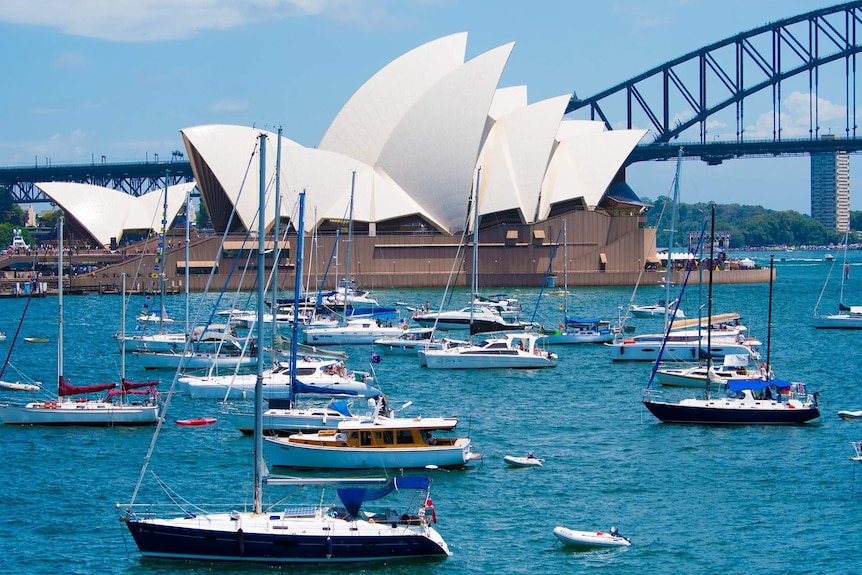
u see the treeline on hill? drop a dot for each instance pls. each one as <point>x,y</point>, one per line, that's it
<point>749,226</point>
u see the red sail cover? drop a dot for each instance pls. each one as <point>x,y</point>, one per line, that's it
<point>66,389</point>
<point>137,384</point>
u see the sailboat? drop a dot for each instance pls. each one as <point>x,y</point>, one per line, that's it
<point>162,340</point>
<point>281,384</point>
<point>82,411</point>
<point>848,317</point>
<point>358,330</point>
<point>29,384</point>
<point>517,349</point>
<point>577,329</point>
<point>339,532</point>
<point>677,343</point>
<point>747,401</point>
<point>668,307</point>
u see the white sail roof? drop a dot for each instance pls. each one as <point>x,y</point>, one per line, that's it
<point>105,213</point>
<point>516,156</point>
<point>413,135</point>
<point>583,166</point>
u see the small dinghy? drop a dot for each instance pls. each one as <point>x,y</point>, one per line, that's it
<point>591,539</point>
<point>197,421</point>
<point>37,339</point>
<point>18,386</point>
<point>528,461</point>
<point>848,415</point>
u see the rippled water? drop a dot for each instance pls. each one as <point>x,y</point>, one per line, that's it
<point>692,499</point>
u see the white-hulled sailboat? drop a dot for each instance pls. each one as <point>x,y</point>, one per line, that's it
<point>848,316</point>
<point>317,532</point>
<point>65,411</point>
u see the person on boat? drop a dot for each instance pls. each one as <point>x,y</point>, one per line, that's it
<point>614,532</point>
<point>430,439</point>
<point>530,455</point>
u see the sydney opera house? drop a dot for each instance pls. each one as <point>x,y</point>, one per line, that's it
<point>402,165</point>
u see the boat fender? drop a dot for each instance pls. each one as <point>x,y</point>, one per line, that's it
<point>628,341</point>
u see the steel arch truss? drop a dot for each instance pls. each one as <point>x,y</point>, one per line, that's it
<point>724,74</point>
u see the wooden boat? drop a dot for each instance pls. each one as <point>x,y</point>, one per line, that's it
<point>528,461</point>
<point>850,415</point>
<point>382,442</point>
<point>196,421</point>
<point>590,539</point>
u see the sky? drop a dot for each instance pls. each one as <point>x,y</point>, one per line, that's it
<point>84,79</point>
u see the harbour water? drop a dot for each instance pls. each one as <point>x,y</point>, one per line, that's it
<point>695,500</point>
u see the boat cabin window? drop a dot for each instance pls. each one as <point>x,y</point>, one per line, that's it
<point>404,436</point>
<point>305,370</point>
<point>365,438</point>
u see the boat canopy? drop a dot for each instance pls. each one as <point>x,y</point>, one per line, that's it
<point>367,391</point>
<point>354,497</point>
<point>579,320</point>
<point>341,407</point>
<point>741,384</point>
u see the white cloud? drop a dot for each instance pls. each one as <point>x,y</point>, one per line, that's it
<point>229,105</point>
<point>159,20</point>
<point>71,60</point>
<point>795,114</point>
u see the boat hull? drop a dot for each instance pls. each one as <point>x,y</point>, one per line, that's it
<point>513,461</point>
<point>445,360</point>
<point>839,321</point>
<point>583,337</point>
<point>169,360</point>
<point>347,336</point>
<point>285,540</point>
<point>691,352</point>
<point>90,413</point>
<point>729,412</point>
<point>284,453</point>
<point>589,539</point>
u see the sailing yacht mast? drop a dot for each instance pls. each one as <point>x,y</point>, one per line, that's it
<point>297,286</point>
<point>60,302</point>
<point>565,276</point>
<point>275,232</point>
<point>474,280</point>
<point>674,205</point>
<point>259,464</point>
<point>709,299</point>
<point>845,272</point>
<point>161,258</point>
<point>349,238</point>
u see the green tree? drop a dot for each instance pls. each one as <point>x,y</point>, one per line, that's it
<point>202,218</point>
<point>10,212</point>
<point>49,219</point>
<point>6,233</point>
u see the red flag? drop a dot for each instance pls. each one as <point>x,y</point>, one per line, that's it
<point>430,505</point>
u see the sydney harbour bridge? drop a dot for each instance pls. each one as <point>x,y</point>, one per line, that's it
<point>741,83</point>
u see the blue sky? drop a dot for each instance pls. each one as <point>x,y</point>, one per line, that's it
<point>88,78</point>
